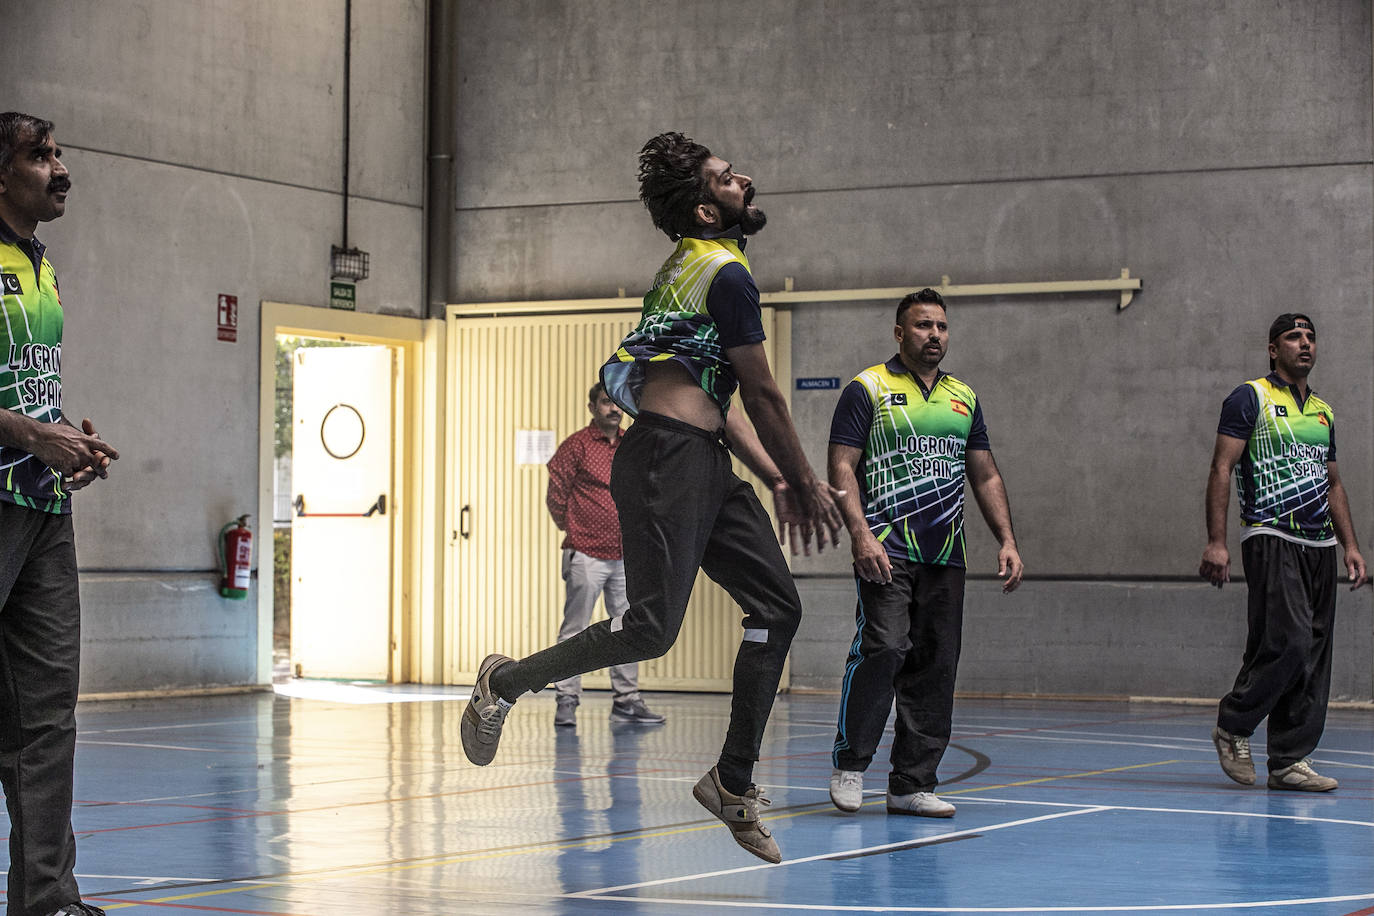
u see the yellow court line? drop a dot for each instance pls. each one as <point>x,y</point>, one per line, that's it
<point>488,855</point>
<point>1012,785</point>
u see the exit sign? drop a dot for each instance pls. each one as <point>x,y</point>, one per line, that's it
<point>343,296</point>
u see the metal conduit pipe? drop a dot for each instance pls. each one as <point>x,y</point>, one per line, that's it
<point>442,78</point>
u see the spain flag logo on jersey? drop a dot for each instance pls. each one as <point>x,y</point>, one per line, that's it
<point>958,407</point>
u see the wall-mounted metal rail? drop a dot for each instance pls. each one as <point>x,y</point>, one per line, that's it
<point>1125,285</point>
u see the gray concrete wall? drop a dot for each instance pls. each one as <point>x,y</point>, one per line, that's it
<point>1219,150</point>
<point>205,144</point>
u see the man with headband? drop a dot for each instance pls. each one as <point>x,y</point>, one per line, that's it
<point>1293,510</point>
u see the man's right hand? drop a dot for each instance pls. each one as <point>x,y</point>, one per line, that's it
<point>68,450</point>
<point>871,561</point>
<point>1216,564</point>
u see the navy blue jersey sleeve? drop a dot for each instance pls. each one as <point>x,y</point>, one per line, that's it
<point>733,302</point>
<point>853,417</point>
<point>1331,449</point>
<point>1238,413</point>
<point>978,432</point>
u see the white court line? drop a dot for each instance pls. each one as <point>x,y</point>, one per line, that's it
<point>348,693</point>
<point>840,908</point>
<point>167,747</point>
<point>153,728</point>
<point>833,855</point>
<point>1207,811</point>
<point>1204,741</point>
<point>1179,747</point>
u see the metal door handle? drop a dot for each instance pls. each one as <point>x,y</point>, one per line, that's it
<point>464,516</point>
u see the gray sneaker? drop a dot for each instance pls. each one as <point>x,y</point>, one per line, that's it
<point>635,711</point>
<point>567,711</point>
<point>1233,751</point>
<point>740,813</point>
<point>484,715</point>
<point>847,789</point>
<point>921,804</point>
<point>1300,777</point>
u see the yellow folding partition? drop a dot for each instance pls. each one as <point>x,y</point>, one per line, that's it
<point>518,384</point>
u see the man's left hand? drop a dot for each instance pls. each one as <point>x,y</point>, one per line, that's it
<point>1354,565</point>
<point>1009,567</point>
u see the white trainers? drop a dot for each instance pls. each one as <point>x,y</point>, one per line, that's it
<point>847,789</point>
<point>1233,751</point>
<point>740,813</point>
<point>921,804</point>
<point>484,715</point>
<point>1300,777</point>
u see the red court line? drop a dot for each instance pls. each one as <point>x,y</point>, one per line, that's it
<point>336,807</point>
<point>1367,911</point>
<point>194,906</point>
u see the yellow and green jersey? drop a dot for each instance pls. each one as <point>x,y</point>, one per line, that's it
<point>912,468</point>
<point>31,375</point>
<point>1281,478</point>
<point>676,325</point>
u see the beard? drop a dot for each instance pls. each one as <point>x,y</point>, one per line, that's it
<point>749,218</point>
<point>752,220</point>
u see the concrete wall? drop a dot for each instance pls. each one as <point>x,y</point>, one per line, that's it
<point>205,144</point>
<point>1219,150</point>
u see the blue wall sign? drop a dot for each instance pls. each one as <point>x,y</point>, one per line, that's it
<point>815,384</point>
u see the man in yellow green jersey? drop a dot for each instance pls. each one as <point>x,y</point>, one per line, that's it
<point>1294,511</point>
<point>681,507</point>
<point>904,436</point>
<point>43,459</point>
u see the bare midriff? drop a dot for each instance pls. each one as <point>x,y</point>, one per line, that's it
<point>670,390</point>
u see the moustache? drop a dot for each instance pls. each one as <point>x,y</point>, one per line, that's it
<point>59,186</point>
<point>749,196</point>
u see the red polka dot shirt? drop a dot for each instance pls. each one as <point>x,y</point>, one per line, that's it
<point>579,497</point>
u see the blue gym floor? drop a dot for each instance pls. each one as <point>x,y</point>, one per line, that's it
<point>358,800</point>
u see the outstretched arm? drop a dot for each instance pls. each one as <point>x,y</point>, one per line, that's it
<point>772,423</point>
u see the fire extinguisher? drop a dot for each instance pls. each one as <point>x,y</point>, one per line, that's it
<point>235,558</point>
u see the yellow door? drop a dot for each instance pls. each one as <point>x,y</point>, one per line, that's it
<point>518,388</point>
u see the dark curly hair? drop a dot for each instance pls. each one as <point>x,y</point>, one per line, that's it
<point>671,182</point>
<point>14,126</point>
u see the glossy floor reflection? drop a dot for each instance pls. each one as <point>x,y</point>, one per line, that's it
<point>357,800</point>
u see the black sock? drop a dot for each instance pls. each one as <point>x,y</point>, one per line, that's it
<point>500,683</point>
<point>736,774</point>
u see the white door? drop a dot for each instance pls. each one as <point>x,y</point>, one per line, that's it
<point>341,532</point>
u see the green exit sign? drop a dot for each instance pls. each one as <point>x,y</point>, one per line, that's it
<point>343,296</point>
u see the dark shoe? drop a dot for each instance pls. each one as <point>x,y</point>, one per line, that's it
<point>484,715</point>
<point>567,712</point>
<point>740,813</point>
<point>78,908</point>
<point>1234,753</point>
<point>1300,777</point>
<point>635,711</point>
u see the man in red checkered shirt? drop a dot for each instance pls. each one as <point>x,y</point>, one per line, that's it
<point>579,499</point>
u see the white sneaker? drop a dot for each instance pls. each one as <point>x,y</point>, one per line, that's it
<point>847,789</point>
<point>921,804</point>
<point>1301,777</point>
